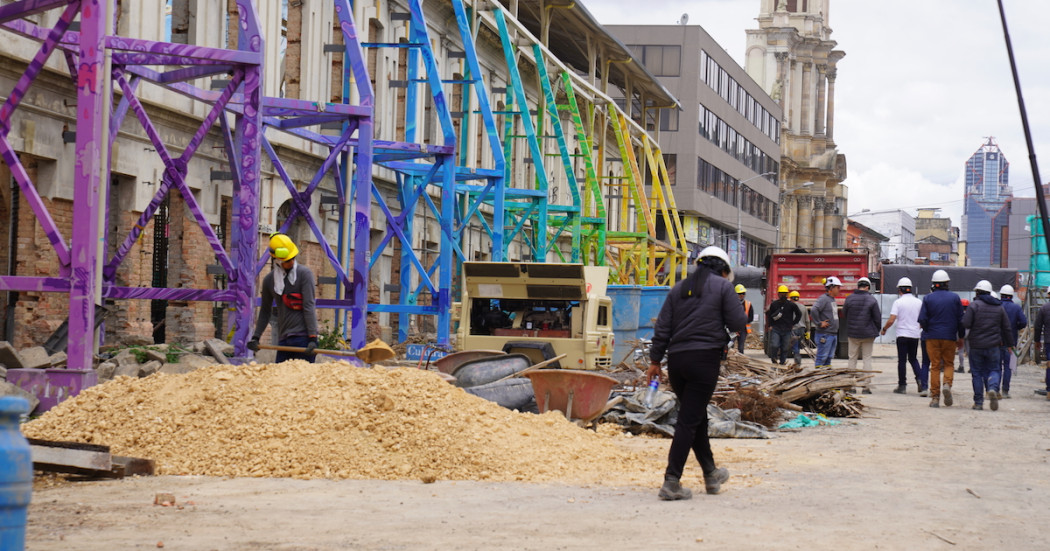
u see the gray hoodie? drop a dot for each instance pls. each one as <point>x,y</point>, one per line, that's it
<point>825,309</point>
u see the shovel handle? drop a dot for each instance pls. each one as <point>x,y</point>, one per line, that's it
<point>301,350</point>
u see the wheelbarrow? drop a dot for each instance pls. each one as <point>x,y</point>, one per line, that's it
<point>581,395</point>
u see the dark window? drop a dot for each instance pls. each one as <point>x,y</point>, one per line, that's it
<point>669,120</point>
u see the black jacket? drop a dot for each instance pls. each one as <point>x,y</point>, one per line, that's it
<point>988,324</point>
<point>863,315</point>
<point>696,314</point>
<point>1042,324</point>
<point>782,315</point>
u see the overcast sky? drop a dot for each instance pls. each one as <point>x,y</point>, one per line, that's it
<point>923,82</point>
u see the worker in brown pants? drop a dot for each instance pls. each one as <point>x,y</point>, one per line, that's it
<point>941,320</point>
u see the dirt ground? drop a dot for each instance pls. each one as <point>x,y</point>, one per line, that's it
<point>905,477</point>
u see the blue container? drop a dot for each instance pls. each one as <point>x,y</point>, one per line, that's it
<point>623,344</point>
<point>652,300</point>
<point>625,299</point>
<point>16,474</point>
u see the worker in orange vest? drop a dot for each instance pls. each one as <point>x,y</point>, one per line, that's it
<point>741,340</point>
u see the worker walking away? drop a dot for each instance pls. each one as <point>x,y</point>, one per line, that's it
<point>741,339</point>
<point>824,316</point>
<point>691,331</point>
<point>1018,321</point>
<point>941,320</point>
<point>905,313</point>
<point>863,318</point>
<point>1039,331</point>
<point>989,330</point>
<point>801,329</point>
<point>964,350</point>
<point>292,286</point>
<point>781,318</point>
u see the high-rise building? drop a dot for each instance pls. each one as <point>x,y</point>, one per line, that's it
<point>986,218</point>
<point>723,144</point>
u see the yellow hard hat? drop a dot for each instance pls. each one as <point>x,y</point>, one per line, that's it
<point>740,289</point>
<point>782,289</point>
<point>793,294</point>
<point>282,247</point>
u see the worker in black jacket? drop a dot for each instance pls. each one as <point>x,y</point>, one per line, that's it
<point>781,317</point>
<point>988,329</point>
<point>863,321</point>
<point>691,331</point>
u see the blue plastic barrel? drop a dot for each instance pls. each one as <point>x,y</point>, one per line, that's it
<point>652,299</point>
<point>625,299</point>
<point>623,345</point>
<point>16,474</point>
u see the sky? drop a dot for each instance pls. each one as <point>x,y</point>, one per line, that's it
<point>923,83</point>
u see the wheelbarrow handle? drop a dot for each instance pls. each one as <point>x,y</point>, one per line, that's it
<point>301,350</point>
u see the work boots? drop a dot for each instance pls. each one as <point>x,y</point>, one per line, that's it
<point>673,490</point>
<point>993,400</point>
<point>714,479</point>
<point>901,389</point>
<point>946,391</point>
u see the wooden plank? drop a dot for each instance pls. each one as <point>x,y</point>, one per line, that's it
<point>216,353</point>
<point>46,457</point>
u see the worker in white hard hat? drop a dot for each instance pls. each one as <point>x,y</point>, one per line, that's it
<point>691,331</point>
<point>941,320</point>
<point>293,287</point>
<point>863,317</point>
<point>905,313</point>
<point>1041,334</point>
<point>988,330</point>
<point>825,318</point>
<point>1018,321</point>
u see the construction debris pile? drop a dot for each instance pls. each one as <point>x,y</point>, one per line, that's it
<point>331,420</point>
<point>827,390</point>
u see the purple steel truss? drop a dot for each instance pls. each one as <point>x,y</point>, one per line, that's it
<point>97,62</point>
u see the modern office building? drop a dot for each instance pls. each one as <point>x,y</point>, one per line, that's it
<point>724,144</point>
<point>792,57</point>
<point>986,218</point>
<point>898,226</point>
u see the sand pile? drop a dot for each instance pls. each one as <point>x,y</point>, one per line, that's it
<point>333,421</point>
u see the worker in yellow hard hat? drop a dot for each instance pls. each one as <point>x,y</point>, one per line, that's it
<point>781,317</point>
<point>741,340</point>
<point>801,329</point>
<point>293,287</point>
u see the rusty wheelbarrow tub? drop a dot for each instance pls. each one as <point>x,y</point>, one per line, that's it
<point>581,395</point>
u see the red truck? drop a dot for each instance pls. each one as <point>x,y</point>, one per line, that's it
<point>805,273</point>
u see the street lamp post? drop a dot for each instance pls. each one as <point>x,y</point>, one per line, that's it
<point>739,210</point>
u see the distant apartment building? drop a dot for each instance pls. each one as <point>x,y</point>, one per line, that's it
<point>723,145</point>
<point>936,240</point>
<point>860,238</point>
<point>1018,244</point>
<point>986,218</point>
<point>898,226</point>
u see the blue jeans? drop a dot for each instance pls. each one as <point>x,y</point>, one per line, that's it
<point>906,353</point>
<point>984,362</point>
<point>299,341</point>
<point>780,342</point>
<point>796,343</point>
<point>826,345</point>
<point>924,369</point>
<point>1004,362</point>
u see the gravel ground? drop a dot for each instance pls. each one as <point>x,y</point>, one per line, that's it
<point>904,477</point>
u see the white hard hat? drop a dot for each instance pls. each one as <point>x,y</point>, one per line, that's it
<point>941,276</point>
<point>994,294</point>
<point>865,281</point>
<point>1006,290</point>
<point>832,280</point>
<point>903,282</point>
<point>983,285</point>
<point>717,252</point>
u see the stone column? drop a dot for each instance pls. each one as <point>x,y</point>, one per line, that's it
<point>804,231</point>
<point>795,105</point>
<point>830,132</point>
<point>821,98</point>
<point>818,223</point>
<point>806,115</point>
<point>784,81</point>
<point>788,218</point>
<point>831,222</point>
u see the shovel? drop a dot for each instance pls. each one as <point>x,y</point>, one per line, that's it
<point>375,351</point>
